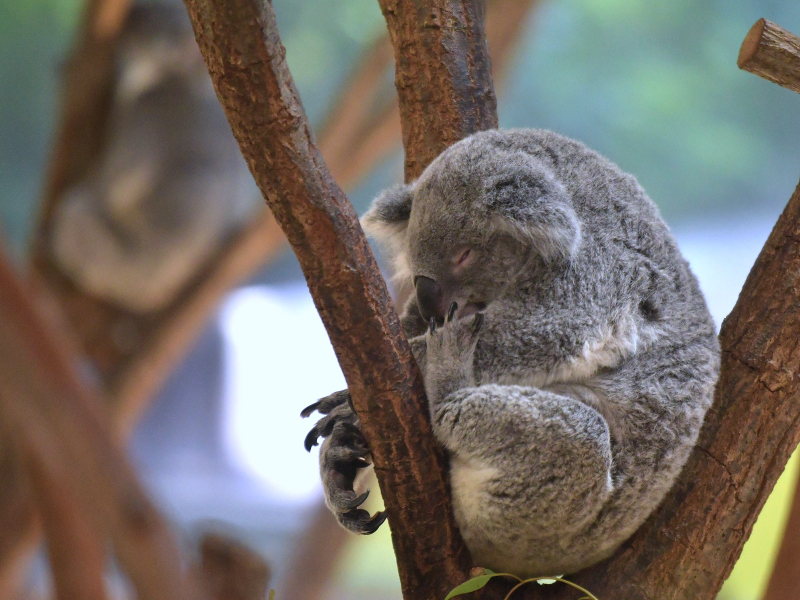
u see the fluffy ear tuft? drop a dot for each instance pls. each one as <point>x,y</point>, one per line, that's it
<point>528,202</point>
<point>387,218</point>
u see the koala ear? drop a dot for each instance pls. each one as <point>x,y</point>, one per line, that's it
<point>387,218</point>
<point>528,202</point>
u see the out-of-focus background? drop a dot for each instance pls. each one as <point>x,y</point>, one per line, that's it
<point>653,86</point>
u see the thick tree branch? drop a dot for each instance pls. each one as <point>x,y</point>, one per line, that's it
<point>442,74</point>
<point>240,43</point>
<point>773,53</point>
<point>785,580</point>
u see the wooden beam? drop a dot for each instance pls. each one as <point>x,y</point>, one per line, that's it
<point>773,53</point>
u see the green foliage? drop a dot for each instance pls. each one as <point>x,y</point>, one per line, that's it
<point>473,584</point>
<point>655,87</point>
<point>479,581</point>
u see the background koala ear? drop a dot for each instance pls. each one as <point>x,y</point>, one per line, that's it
<point>528,202</point>
<point>387,218</point>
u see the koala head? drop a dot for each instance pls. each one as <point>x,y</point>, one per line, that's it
<point>473,223</point>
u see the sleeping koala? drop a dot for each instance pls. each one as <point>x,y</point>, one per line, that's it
<point>567,352</point>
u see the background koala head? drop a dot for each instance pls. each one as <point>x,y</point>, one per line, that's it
<point>478,216</point>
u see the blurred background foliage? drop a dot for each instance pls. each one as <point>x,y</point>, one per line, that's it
<point>654,86</point>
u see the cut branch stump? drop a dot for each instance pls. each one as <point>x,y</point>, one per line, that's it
<point>773,53</point>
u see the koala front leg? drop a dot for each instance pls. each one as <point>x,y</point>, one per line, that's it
<point>344,462</point>
<point>449,355</point>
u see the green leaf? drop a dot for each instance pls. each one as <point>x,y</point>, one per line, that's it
<point>271,595</point>
<point>471,585</point>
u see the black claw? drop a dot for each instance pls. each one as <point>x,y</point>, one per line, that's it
<point>452,311</point>
<point>477,323</point>
<point>432,325</point>
<point>356,502</point>
<point>375,522</point>
<point>350,403</point>
<point>360,463</point>
<point>306,412</point>
<point>311,439</point>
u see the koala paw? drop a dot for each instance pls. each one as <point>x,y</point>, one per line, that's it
<point>343,457</point>
<point>449,353</point>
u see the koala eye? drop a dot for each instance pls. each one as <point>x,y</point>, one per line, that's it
<point>462,258</point>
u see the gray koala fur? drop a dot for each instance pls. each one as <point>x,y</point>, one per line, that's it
<point>169,186</point>
<point>569,413</point>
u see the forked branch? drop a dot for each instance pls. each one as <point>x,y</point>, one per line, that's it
<point>242,49</point>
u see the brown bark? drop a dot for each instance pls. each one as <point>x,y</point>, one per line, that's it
<point>785,580</point>
<point>442,74</point>
<point>773,53</point>
<point>56,423</point>
<point>231,571</point>
<point>246,60</point>
<point>315,556</point>
<point>86,97</point>
<point>75,551</point>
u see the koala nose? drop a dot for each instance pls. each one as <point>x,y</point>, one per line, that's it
<point>429,297</point>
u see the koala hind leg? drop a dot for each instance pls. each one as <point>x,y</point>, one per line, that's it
<point>525,506</point>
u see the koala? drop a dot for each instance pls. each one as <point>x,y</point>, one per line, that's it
<point>567,352</point>
<point>169,186</point>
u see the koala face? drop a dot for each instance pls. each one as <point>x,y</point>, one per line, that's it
<point>474,220</point>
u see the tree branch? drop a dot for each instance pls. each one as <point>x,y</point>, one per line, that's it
<point>75,551</point>
<point>56,422</point>
<point>785,579</point>
<point>86,97</point>
<point>229,570</point>
<point>246,61</point>
<point>442,74</point>
<point>359,132</point>
<point>773,53</point>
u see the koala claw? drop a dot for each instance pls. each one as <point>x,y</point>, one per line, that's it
<point>360,521</point>
<point>432,325</point>
<point>323,428</point>
<point>356,502</point>
<point>312,439</point>
<point>328,403</point>
<point>477,323</point>
<point>452,311</point>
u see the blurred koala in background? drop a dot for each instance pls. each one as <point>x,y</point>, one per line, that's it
<point>170,185</point>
